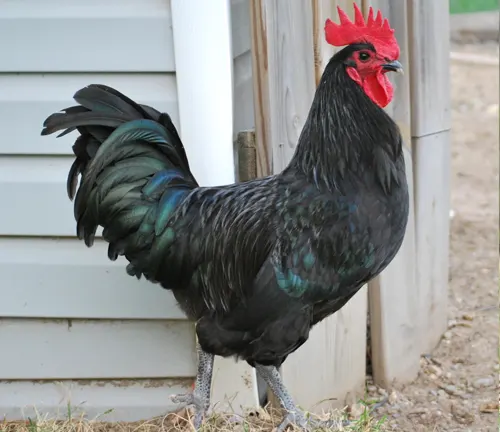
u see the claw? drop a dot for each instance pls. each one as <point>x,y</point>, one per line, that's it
<point>296,419</point>
<point>184,399</point>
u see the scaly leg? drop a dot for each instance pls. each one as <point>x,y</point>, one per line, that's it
<point>294,415</point>
<point>200,397</point>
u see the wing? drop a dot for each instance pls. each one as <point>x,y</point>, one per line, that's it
<point>319,249</point>
<point>222,238</point>
<point>327,245</point>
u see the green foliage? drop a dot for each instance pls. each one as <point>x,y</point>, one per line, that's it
<point>468,6</point>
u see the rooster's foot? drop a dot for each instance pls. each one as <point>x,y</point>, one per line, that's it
<point>199,403</point>
<point>294,417</point>
<point>199,399</point>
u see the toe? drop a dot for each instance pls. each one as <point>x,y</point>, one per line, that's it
<point>186,399</point>
<point>293,419</point>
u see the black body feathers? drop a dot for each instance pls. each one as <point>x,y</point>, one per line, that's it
<point>256,264</point>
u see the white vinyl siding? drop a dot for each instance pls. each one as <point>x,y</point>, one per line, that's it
<point>82,330</point>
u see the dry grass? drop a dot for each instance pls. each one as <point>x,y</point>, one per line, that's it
<point>263,420</point>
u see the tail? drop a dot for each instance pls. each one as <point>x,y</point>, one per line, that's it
<point>134,173</point>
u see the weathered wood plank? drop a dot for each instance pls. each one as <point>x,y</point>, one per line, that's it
<point>84,281</point>
<point>393,296</point>
<point>117,400</point>
<point>430,93</point>
<point>400,108</point>
<point>429,59</point>
<point>80,349</point>
<point>283,78</point>
<point>432,209</point>
<point>323,51</point>
<point>260,74</point>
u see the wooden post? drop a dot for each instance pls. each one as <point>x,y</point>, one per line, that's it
<point>430,95</point>
<point>329,370</point>
<point>393,296</point>
<point>247,156</point>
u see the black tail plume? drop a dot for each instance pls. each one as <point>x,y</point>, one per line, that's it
<point>133,166</point>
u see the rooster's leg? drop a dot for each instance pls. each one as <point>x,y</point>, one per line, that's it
<point>294,417</point>
<point>200,397</point>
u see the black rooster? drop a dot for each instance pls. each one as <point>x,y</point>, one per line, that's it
<point>255,264</point>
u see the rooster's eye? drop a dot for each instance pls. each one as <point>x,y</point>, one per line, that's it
<point>364,56</point>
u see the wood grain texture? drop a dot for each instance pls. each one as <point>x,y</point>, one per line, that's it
<point>429,59</point>
<point>432,160</point>
<point>400,108</point>
<point>82,349</point>
<point>393,295</point>
<point>86,284</point>
<point>430,95</point>
<point>110,401</point>
<point>283,77</point>
<point>261,97</point>
<point>323,51</point>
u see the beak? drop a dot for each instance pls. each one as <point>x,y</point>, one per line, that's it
<point>393,66</point>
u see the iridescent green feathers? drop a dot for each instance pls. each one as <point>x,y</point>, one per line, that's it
<point>134,171</point>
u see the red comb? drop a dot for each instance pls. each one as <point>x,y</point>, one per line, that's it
<point>376,30</point>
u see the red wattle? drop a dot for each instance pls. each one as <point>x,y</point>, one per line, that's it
<point>379,89</point>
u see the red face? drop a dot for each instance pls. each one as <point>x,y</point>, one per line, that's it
<point>368,68</point>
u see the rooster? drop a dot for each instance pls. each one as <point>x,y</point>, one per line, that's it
<point>256,264</point>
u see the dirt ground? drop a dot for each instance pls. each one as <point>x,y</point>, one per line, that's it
<point>457,387</point>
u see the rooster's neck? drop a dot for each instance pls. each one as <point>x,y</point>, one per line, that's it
<point>346,134</point>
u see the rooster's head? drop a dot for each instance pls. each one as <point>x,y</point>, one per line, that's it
<point>373,51</point>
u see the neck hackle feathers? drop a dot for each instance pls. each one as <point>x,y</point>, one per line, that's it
<point>375,30</point>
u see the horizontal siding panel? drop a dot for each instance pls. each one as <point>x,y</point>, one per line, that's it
<point>37,187</point>
<point>240,27</point>
<point>84,281</point>
<point>26,100</point>
<point>86,36</point>
<point>46,349</point>
<point>126,401</point>
<point>243,93</point>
